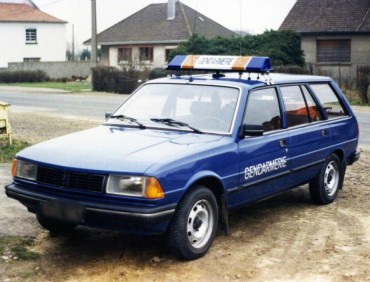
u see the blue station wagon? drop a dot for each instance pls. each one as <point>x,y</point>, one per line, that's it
<point>183,151</point>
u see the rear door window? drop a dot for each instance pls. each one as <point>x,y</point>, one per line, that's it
<point>312,108</point>
<point>300,107</point>
<point>329,100</point>
<point>295,106</point>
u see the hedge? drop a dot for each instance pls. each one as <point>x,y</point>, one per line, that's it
<point>110,79</point>
<point>157,73</point>
<point>23,76</point>
<point>292,69</point>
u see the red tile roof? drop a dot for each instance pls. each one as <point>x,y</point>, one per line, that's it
<point>329,16</point>
<point>24,13</point>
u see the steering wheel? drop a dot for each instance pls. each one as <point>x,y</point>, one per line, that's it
<point>211,122</point>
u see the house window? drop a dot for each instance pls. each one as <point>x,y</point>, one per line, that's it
<point>168,51</point>
<point>334,50</point>
<point>31,36</point>
<point>124,55</point>
<point>30,60</point>
<point>146,54</point>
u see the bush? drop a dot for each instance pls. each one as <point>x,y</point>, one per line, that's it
<point>23,76</point>
<point>111,79</point>
<point>363,81</point>
<point>157,73</point>
<point>283,47</point>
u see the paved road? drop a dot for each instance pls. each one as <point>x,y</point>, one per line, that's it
<point>94,106</point>
<point>364,122</point>
<point>86,106</point>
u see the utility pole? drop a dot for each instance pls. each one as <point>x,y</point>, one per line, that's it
<point>73,42</point>
<point>94,44</point>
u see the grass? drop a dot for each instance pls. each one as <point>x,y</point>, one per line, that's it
<point>14,246</point>
<point>82,86</point>
<point>357,102</point>
<point>7,152</point>
<point>353,97</point>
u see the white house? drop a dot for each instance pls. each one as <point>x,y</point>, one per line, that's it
<point>29,35</point>
<point>146,38</point>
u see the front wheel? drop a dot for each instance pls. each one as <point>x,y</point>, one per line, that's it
<point>194,225</point>
<point>324,187</point>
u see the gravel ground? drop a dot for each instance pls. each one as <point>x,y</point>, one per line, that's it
<point>35,128</point>
<point>285,238</point>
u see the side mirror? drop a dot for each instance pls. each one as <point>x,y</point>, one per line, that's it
<point>251,130</point>
<point>107,115</point>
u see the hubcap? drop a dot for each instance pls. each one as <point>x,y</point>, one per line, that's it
<point>331,178</point>
<point>200,224</point>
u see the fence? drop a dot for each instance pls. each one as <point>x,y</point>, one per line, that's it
<point>343,74</point>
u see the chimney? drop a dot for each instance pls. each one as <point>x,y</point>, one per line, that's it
<point>171,10</point>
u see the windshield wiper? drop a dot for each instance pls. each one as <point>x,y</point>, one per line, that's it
<point>131,119</point>
<point>172,122</point>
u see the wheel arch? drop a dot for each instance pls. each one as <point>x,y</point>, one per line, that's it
<point>212,183</point>
<point>340,154</point>
<point>215,185</point>
<point>343,162</point>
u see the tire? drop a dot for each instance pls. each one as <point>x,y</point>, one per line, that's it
<point>324,187</point>
<point>193,228</point>
<point>54,226</point>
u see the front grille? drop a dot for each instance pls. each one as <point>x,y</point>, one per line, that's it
<point>71,180</point>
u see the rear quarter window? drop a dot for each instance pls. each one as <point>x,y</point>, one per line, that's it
<point>329,100</point>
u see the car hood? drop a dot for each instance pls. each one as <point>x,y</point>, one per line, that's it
<point>117,149</point>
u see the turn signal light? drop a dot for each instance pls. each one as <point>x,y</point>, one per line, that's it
<point>14,167</point>
<point>153,189</point>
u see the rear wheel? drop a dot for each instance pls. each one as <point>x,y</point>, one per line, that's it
<point>324,187</point>
<point>55,226</point>
<point>194,225</point>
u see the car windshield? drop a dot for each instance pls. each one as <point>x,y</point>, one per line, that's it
<point>197,108</point>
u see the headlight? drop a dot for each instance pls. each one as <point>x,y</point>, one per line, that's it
<point>24,169</point>
<point>134,186</point>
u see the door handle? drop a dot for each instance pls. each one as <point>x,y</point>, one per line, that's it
<point>282,143</point>
<point>324,132</point>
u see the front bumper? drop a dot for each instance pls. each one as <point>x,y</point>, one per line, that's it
<point>102,215</point>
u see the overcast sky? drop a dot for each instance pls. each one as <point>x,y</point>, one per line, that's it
<point>253,16</point>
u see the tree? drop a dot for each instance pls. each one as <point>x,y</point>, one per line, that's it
<point>85,55</point>
<point>69,55</point>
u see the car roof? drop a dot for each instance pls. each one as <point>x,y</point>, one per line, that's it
<point>245,80</point>
<point>243,71</point>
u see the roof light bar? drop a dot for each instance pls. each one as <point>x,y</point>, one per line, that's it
<point>221,63</point>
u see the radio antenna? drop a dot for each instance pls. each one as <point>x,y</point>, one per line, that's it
<point>194,25</point>
<point>195,16</point>
<point>240,28</point>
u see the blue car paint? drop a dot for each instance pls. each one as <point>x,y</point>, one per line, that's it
<point>135,150</point>
<point>179,158</point>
